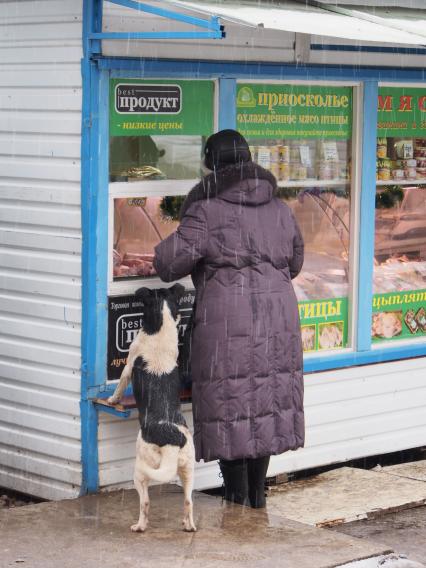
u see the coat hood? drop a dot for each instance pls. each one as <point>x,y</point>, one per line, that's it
<point>245,183</point>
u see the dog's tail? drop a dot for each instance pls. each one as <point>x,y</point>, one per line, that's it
<point>168,465</point>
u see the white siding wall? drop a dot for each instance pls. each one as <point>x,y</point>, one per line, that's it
<point>350,413</point>
<point>40,241</point>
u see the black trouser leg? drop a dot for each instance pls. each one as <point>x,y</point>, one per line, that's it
<point>234,474</point>
<point>256,475</point>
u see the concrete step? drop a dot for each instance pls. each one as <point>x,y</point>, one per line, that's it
<point>411,470</point>
<point>346,494</point>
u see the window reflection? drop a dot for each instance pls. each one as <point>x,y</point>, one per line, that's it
<point>323,217</point>
<point>400,248</point>
<point>139,225</point>
<point>399,302</point>
<point>313,178</point>
<point>137,158</point>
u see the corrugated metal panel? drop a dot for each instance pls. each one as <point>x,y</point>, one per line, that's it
<point>40,243</point>
<point>349,413</point>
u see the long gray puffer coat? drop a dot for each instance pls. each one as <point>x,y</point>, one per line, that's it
<point>242,247</point>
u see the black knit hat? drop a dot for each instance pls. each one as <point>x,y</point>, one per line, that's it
<point>224,148</point>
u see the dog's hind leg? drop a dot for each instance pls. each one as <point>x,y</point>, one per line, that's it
<point>186,474</point>
<point>141,484</point>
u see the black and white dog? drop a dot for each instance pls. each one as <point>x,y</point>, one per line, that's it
<point>164,446</point>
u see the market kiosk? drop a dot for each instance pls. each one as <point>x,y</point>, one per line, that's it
<point>105,107</point>
<point>348,148</point>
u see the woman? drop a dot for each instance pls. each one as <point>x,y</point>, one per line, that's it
<point>242,247</point>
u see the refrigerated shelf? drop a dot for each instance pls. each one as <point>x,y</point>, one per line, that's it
<point>315,182</point>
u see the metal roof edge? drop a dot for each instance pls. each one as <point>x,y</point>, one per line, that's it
<point>360,15</point>
<point>417,35</point>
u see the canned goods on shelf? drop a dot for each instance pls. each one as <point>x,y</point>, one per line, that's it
<point>411,173</point>
<point>384,174</point>
<point>284,154</point>
<point>284,174</point>
<point>398,174</point>
<point>382,151</point>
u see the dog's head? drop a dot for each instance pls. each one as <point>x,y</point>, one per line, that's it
<point>153,301</point>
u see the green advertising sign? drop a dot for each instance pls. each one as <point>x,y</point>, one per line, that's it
<point>399,315</point>
<point>294,111</point>
<point>324,324</point>
<point>154,107</point>
<point>401,112</point>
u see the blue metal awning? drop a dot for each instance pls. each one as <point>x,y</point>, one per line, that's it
<point>316,23</point>
<point>206,28</point>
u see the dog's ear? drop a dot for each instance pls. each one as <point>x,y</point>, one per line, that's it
<point>144,294</point>
<point>177,290</point>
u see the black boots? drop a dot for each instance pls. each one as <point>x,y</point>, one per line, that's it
<point>256,474</point>
<point>234,473</point>
<point>244,481</point>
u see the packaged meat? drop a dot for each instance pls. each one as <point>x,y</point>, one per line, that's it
<point>421,319</point>
<point>116,258</point>
<point>410,321</point>
<point>386,324</point>
<point>308,337</point>
<point>330,335</point>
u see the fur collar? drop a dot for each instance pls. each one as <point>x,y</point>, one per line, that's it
<point>217,182</point>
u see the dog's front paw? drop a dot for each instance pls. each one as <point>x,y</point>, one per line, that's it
<point>138,527</point>
<point>113,400</point>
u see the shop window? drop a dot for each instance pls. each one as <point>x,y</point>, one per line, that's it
<point>140,223</point>
<point>157,133</point>
<point>153,158</point>
<point>399,302</point>
<point>303,135</point>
